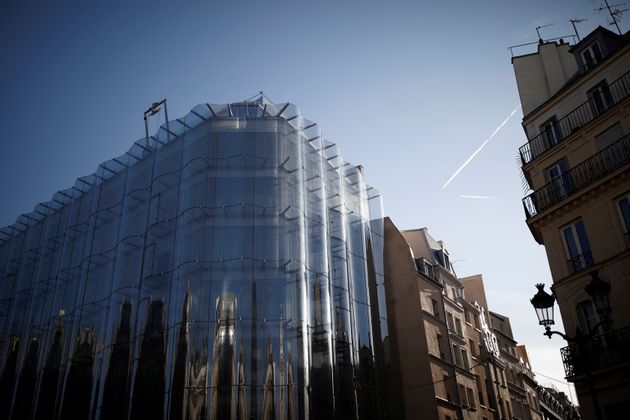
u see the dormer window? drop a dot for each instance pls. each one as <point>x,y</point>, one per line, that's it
<point>443,259</point>
<point>591,55</point>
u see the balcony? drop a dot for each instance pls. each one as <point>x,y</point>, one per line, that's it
<point>602,351</point>
<point>578,178</point>
<point>580,262</point>
<point>595,106</point>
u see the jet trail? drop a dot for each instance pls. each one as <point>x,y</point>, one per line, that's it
<point>496,130</point>
<point>480,197</point>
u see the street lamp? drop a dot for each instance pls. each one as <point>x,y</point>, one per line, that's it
<point>599,292</point>
<point>543,304</point>
<point>597,289</point>
<point>154,109</point>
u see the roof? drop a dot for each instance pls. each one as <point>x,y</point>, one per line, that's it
<point>600,29</point>
<point>625,39</point>
<point>165,134</point>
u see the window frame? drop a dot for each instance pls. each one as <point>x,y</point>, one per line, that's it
<point>602,89</point>
<point>562,183</point>
<point>594,59</point>
<point>551,131</point>
<point>625,224</point>
<point>588,320</point>
<point>584,256</point>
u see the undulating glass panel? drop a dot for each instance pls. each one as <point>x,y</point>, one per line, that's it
<point>229,267</point>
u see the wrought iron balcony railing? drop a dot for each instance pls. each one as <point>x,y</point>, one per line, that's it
<point>601,351</point>
<point>593,168</point>
<point>606,97</point>
<point>581,261</point>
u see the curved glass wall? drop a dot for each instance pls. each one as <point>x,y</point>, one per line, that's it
<point>229,267</point>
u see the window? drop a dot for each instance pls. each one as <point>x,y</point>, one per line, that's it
<point>447,388</point>
<point>491,401</point>
<point>443,258</point>
<point>462,395</point>
<point>591,55</point>
<point>457,355</point>
<point>551,132</point>
<point>447,262</point>
<point>587,313</point>
<point>471,344</point>
<point>465,363</point>
<point>623,205</point>
<point>439,342</point>
<point>480,391</point>
<point>436,310</point>
<point>560,180</point>
<point>449,321</point>
<point>458,326</point>
<point>467,316</point>
<point>471,398</point>
<point>577,246</point>
<point>601,98</point>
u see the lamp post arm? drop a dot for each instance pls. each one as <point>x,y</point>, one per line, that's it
<point>549,333</point>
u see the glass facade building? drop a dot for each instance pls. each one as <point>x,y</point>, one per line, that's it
<point>228,267</point>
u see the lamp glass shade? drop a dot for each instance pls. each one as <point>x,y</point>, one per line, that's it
<point>543,304</point>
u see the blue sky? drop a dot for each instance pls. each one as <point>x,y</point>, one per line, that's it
<point>408,89</point>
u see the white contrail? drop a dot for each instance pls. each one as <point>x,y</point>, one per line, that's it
<point>481,197</point>
<point>496,130</point>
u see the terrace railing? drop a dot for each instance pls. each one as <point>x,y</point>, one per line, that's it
<point>606,97</point>
<point>590,354</point>
<point>593,168</point>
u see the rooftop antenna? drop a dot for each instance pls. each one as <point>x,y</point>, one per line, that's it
<point>573,22</point>
<point>615,14</point>
<point>538,31</point>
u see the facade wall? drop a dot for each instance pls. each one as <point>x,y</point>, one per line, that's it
<point>542,74</point>
<point>596,207</point>
<point>461,382</point>
<point>228,267</point>
<point>584,144</point>
<point>414,330</point>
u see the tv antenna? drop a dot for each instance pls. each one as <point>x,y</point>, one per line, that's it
<point>573,22</point>
<point>615,14</point>
<point>540,27</point>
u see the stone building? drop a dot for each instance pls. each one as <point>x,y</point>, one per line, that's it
<point>576,166</point>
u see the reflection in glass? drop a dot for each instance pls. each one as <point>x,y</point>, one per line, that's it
<point>148,390</point>
<point>116,383</point>
<point>50,379</point>
<point>229,267</point>
<point>26,384</point>
<point>78,389</point>
<point>7,380</point>
<point>223,357</point>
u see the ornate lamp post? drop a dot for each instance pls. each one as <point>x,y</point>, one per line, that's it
<point>599,292</point>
